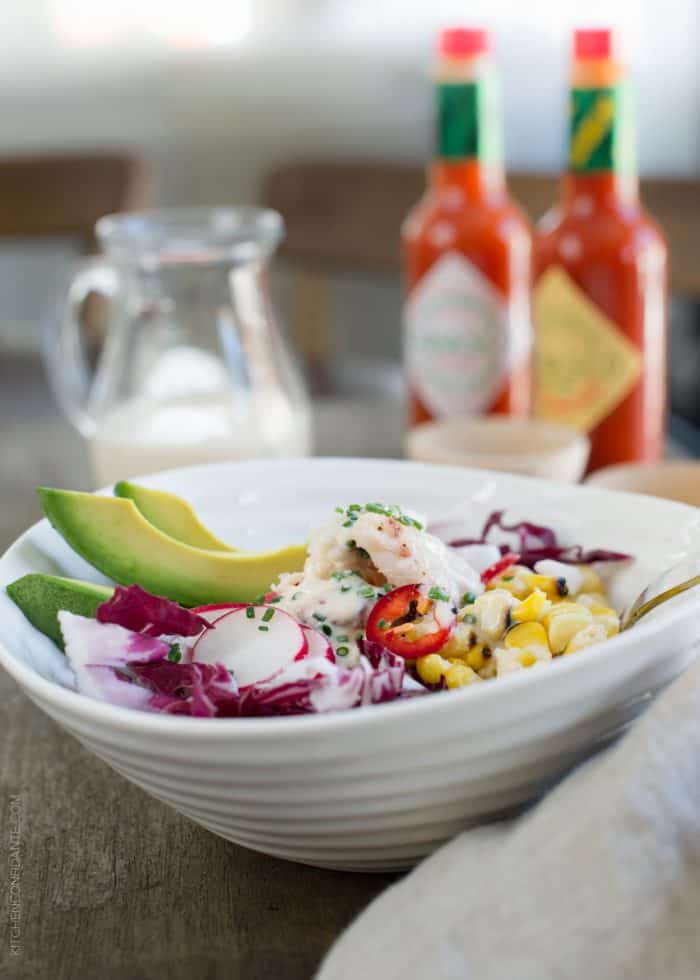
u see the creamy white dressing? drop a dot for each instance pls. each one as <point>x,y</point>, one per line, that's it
<point>358,556</point>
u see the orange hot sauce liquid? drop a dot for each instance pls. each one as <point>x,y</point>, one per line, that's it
<point>601,236</point>
<point>466,208</point>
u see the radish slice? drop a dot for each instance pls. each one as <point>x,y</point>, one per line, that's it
<point>215,612</point>
<point>254,643</point>
<point>318,644</point>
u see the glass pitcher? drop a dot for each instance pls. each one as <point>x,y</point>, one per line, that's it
<point>192,368</point>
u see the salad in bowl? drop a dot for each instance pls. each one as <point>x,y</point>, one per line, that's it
<point>377,606</point>
<point>362,753</point>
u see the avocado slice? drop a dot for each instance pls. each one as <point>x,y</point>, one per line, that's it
<point>40,597</point>
<point>111,534</point>
<point>172,515</point>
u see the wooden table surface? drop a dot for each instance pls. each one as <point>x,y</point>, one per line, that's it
<point>109,883</point>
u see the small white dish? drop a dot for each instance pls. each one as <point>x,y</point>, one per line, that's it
<point>379,787</point>
<point>672,480</point>
<point>532,447</point>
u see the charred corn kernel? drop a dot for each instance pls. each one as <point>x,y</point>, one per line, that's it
<point>545,583</point>
<point>513,580</point>
<point>459,675</point>
<point>592,599</point>
<point>594,633</point>
<point>590,580</point>
<point>558,609</point>
<point>492,610</point>
<point>475,657</point>
<point>564,626</point>
<point>431,668</point>
<point>461,638</point>
<point>533,608</point>
<point>526,635</point>
<point>607,618</point>
<point>527,659</point>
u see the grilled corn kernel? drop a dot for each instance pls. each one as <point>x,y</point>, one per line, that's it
<point>607,618</point>
<point>430,669</point>
<point>527,659</point>
<point>593,633</point>
<point>526,635</point>
<point>564,626</point>
<point>592,599</point>
<point>459,675</point>
<point>590,580</point>
<point>461,638</point>
<point>545,583</point>
<point>475,657</point>
<point>513,580</point>
<point>492,609</point>
<point>533,608</point>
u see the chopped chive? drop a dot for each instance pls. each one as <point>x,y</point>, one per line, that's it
<point>342,651</point>
<point>468,599</point>
<point>174,653</point>
<point>507,578</point>
<point>382,624</point>
<point>362,553</point>
<point>345,588</point>
<point>354,507</point>
<point>250,612</point>
<point>320,617</point>
<point>387,587</point>
<point>267,615</point>
<point>343,639</point>
<point>438,595</point>
<point>264,629</point>
<point>471,619</point>
<point>326,629</point>
<point>347,523</point>
<point>275,598</point>
<point>367,592</point>
<point>351,543</point>
<point>339,510</point>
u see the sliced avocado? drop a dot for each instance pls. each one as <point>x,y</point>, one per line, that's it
<point>172,515</point>
<point>41,596</point>
<point>116,538</point>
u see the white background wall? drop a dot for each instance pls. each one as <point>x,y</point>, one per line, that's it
<point>217,91</point>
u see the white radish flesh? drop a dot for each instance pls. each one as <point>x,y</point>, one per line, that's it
<point>318,644</point>
<point>254,643</point>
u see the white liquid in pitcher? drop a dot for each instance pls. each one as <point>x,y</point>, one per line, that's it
<point>143,436</point>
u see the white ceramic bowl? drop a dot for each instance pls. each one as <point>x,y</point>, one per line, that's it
<point>379,787</point>
<point>532,447</point>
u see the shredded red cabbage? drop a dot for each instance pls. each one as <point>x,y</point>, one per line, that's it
<point>537,542</point>
<point>137,610</point>
<point>118,665</point>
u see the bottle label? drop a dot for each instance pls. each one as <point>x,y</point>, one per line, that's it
<point>586,366</point>
<point>460,344</point>
<point>600,135</point>
<point>468,119</point>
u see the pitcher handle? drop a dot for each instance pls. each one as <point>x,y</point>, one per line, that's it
<point>67,365</point>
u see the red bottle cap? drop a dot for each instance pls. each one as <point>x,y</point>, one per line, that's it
<point>463,42</point>
<point>594,43</point>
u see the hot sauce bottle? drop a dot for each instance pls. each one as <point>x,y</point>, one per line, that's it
<point>600,264</point>
<point>467,251</point>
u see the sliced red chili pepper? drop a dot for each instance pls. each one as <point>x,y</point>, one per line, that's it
<point>499,566</point>
<point>397,610</point>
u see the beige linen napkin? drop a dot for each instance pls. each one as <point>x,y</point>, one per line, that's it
<point>600,880</point>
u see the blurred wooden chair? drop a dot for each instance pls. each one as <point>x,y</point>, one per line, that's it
<point>64,195</point>
<point>347,216</point>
